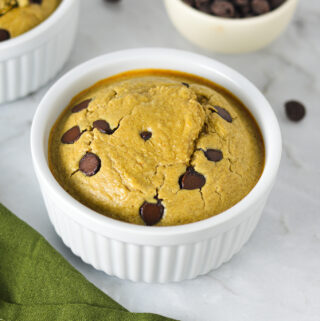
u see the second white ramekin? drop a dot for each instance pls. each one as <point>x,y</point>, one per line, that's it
<point>30,60</point>
<point>144,253</point>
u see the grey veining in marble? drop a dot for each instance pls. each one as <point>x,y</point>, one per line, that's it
<point>277,274</point>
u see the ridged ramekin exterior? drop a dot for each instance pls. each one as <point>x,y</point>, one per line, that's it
<point>30,64</point>
<point>149,253</point>
<point>147,263</point>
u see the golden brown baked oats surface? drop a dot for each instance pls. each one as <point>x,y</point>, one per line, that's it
<point>156,147</point>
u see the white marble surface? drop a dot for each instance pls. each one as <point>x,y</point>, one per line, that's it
<point>277,274</point>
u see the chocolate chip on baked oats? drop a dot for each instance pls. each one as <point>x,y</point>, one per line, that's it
<point>71,135</point>
<point>83,105</point>
<point>90,164</point>
<point>223,9</point>
<point>145,135</point>
<point>151,213</point>
<point>223,113</point>
<point>295,110</point>
<point>185,84</point>
<point>103,126</point>
<point>36,1</point>
<point>260,6</point>
<point>4,34</point>
<point>214,155</point>
<point>191,179</point>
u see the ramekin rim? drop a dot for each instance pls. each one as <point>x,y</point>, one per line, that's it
<point>210,18</point>
<point>43,172</point>
<point>39,29</point>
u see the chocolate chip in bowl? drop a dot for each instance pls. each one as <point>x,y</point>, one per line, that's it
<point>235,8</point>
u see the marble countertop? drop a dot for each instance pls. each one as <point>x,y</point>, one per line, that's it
<point>277,274</point>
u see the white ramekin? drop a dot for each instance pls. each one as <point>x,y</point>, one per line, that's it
<point>229,35</point>
<point>30,60</point>
<point>142,253</point>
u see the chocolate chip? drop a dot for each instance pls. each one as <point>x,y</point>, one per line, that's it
<point>189,2</point>
<point>214,155</point>
<point>90,164</point>
<point>4,35</point>
<point>245,11</point>
<point>276,3</point>
<point>241,3</point>
<point>151,213</point>
<point>146,135</point>
<point>260,6</point>
<point>191,179</point>
<point>103,127</point>
<point>71,135</point>
<point>295,110</point>
<point>185,84</point>
<point>223,9</point>
<point>36,1</point>
<point>83,105</point>
<point>223,113</point>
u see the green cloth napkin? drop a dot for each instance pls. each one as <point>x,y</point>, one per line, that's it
<point>37,283</point>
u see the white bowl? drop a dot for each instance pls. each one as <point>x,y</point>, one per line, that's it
<point>30,60</point>
<point>229,35</point>
<point>144,253</point>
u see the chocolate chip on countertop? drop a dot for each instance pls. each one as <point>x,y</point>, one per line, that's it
<point>260,6</point>
<point>90,164</point>
<point>71,135</point>
<point>151,213</point>
<point>103,126</point>
<point>295,110</point>
<point>145,135</point>
<point>214,155</point>
<point>223,113</point>
<point>4,35</point>
<point>83,105</point>
<point>191,179</point>
<point>223,9</point>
